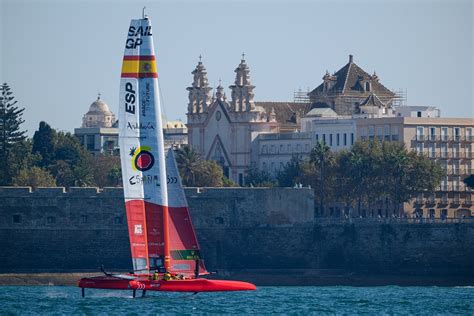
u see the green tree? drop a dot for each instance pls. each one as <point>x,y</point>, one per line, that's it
<point>209,174</point>
<point>10,132</point>
<point>34,177</point>
<point>323,159</point>
<point>189,164</point>
<point>44,141</point>
<point>291,173</point>
<point>405,173</point>
<point>115,176</point>
<point>72,163</point>
<point>259,178</point>
<point>106,170</point>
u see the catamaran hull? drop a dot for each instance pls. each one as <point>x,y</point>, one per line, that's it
<point>191,285</point>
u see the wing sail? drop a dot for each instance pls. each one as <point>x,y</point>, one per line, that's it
<point>141,149</point>
<point>184,247</point>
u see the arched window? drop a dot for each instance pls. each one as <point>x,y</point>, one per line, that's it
<point>367,86</point>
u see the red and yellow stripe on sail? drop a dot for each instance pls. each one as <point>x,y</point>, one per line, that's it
<point>139,67</point>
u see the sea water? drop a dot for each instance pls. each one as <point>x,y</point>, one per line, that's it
<point>266,300</point>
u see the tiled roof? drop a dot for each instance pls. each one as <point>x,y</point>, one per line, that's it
<point>286,112</point>
<point>348,79</point>
<point>372,100</point>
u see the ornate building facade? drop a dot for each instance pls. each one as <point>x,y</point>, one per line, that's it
<point>226,130</point>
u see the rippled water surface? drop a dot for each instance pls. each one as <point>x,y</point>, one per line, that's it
<point>266,300</point>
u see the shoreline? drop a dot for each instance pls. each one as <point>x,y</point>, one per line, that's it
<point>262,278</point>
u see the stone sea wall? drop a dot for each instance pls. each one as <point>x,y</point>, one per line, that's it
<point>252,229</point>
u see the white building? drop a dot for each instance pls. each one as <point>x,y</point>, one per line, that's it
<point>277,149</point>
<point>417,111</point>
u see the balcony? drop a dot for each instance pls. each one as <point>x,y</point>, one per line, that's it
<point>456,201</point>
<point>444,187</point>
<point>457,138</point>
<point>469,155</point>
<point>469,139</point>
<point>444,154</point>
<point>444,138</point>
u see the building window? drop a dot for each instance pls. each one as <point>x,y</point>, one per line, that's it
<point>345,139</point>
<point>367,86</point>
<point>457,133</point>
<point>371,132</point>
<point>457,150</point>
<point>337,139</point>
<point>418,114</point>
<point>330,139</point>
<point>444,150</point>
<point>380,133</point>
<point>16,219</point>
<point>432,150</point>
<point>272,149</point>
<point>432,131</point>
<point>444,213</point>
<point>395,136</point>
<point>264,149</point>
<point>419,133</point>
<point>90,142</point>
<point>281,148</point>
<point>317,138</point>
<point>83,219</point>
<point>469,137</point>
<point>444,133</point>
<point>324,138</point>
<point>289,148</point>
<point>298,148</point>
<point>419,148</point>
<point>51,219</point>
<point>352,138</point>
<point>241,179</point>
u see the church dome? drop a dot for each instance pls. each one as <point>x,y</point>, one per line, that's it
<point>98,115</point>
<point>99,106</point>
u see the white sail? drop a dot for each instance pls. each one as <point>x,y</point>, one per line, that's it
<point>142,146</point>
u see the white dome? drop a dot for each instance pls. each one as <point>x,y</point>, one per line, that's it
<point>98,115</point>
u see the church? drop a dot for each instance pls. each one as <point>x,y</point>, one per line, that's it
<point>240,133</point>
<point>226,130</point>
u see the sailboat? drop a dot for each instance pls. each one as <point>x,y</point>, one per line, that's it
<point>165,251</point>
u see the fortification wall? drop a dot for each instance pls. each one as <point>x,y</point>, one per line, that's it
<point>238,228</point>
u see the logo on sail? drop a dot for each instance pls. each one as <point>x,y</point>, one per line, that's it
<point>138,229</point>
<point>142,158</point>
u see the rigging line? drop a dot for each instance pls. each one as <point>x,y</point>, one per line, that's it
<point>163,109</point>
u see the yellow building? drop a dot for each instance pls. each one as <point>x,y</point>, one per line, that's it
<point>448,141</point>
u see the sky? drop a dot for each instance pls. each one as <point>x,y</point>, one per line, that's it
<point>58,55</point>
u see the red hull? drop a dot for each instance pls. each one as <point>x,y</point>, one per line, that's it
<point>191,285</point>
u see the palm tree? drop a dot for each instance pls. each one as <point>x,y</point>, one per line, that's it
<point>189,163</point>
<point>322,158</point>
